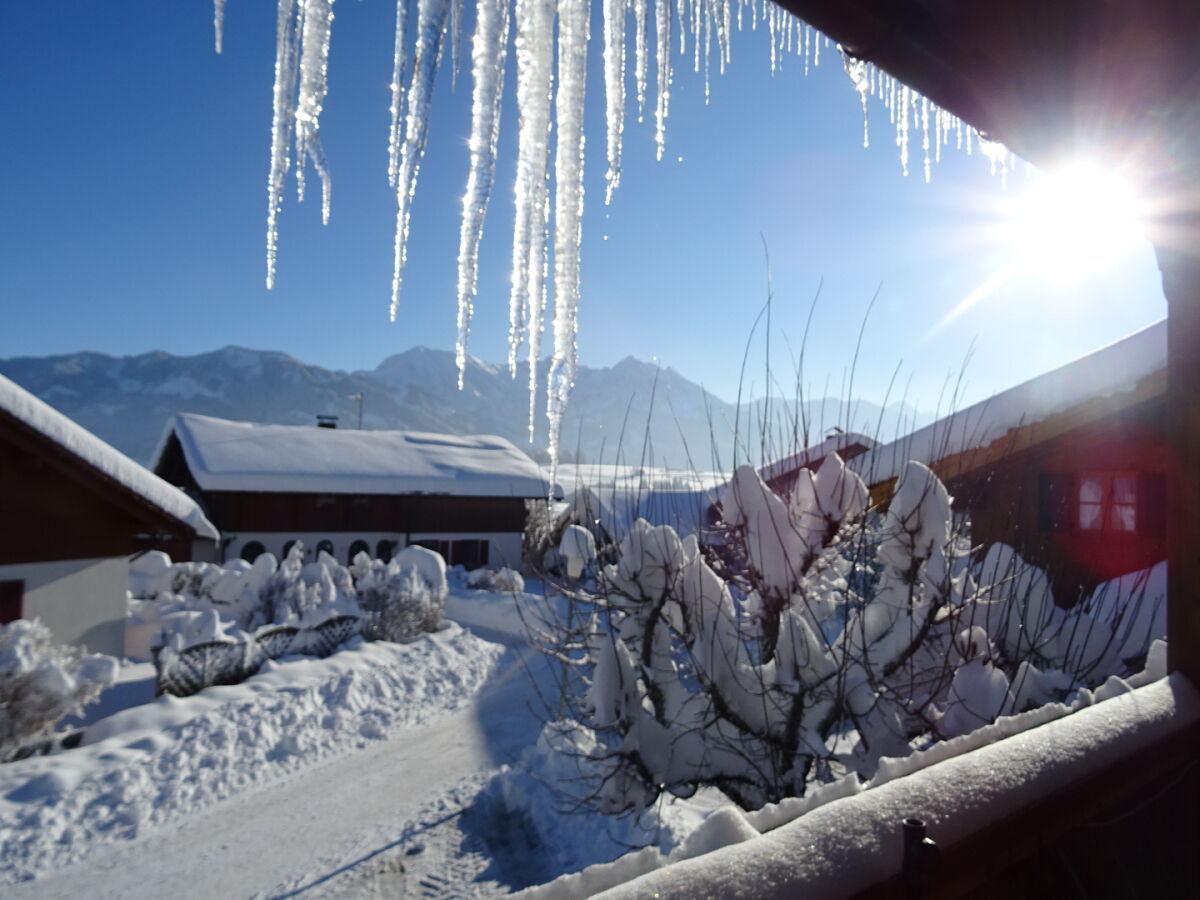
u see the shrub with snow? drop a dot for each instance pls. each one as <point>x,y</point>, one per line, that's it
<point>577,548</point>
<point>504,580</point>
<point>403,597</point>
<point>823,639</point>
<point>41,682</point>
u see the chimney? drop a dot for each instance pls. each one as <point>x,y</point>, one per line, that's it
<point>327,421</point>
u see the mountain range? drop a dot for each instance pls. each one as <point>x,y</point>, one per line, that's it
<point>633,412</point>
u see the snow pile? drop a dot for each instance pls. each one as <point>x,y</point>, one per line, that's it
<point>151,764</point>
<point>80,442</point>
<point>224,455</point>
<point>41,682</point>
<point>503,580</point>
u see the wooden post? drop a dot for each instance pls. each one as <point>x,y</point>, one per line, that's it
<point>1179,260</point>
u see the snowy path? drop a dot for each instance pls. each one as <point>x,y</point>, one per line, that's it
<point>335,826</point>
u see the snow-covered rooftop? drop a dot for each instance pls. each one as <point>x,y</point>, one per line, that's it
<point>40,416</point>
<point>1111,371</point>
<point>815,455</point>
<point>242,456</point>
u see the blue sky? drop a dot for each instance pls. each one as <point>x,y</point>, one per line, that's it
<point>134,216</point>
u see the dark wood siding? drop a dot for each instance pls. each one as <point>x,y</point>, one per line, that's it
<point>55,506</point>
<point>1029,499</point>
<point>242,511</point>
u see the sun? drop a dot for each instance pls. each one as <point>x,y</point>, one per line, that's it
<point>1074,222</point>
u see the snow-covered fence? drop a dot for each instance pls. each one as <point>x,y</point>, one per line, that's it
<point>219,624</point>
<point>183,672</point>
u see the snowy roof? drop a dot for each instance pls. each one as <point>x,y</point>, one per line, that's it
<point>1112,371</point>
<point>815,454</point>
<point>243,456</point>
<point>77,440</point>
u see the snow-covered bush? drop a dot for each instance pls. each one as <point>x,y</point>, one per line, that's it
<point>578,549</point>
<point>504,580</point>
<point>403,597</point>
<point>40,682</point>
<point>822,639</point>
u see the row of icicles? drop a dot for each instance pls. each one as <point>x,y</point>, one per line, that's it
<point>550,93</point>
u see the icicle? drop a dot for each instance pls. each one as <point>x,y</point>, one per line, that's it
<point>807,48</point>
<point>489,54</point>
<point>527,298</point>
<point>396,131</point>
<point>455,38</point>
<point>313,85</point>
<point>856,69</point>
<point>614,90</point>
<point>772,20</point>
<point>925,136</point>
<point>902,126</point>
<point>568,210</point>
<point>662,62</point>
<point>723,33</point>
<point>707,11</point>
<point>641,61</point>
<point>218,24</point>
<point>281,124</point>
<point>431,33</point>
<point>697,29</point>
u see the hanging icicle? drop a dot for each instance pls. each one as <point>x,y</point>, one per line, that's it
<point>301,63</point>
<point>219,25</point>
<point>431,33</point>
<point>568,211</point>
<point>489,54</point>
<point>614,90</point>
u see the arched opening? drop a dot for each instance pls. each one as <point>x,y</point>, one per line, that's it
<point>384,550</point>
<point>287,547</point>
<point>359,546</point>
<point>253,550</point>
<point>325,546</point>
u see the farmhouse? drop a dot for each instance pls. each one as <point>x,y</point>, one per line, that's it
<point>345,491</point>
<point>1069,467</point>
<point>72,510</point>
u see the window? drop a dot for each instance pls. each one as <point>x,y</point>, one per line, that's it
<point>11,595</point>
<point>1108,501</point>
<point>252,551</point>
<point>356,548</point>
<point>469,554</point>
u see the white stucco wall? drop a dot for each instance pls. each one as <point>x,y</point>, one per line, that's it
<point>504,548</point>
<point>81,601</point>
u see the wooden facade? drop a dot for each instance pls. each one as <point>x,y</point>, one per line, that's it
<point>55,506</point>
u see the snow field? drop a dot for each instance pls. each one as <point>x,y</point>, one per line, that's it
<point>152,764</point>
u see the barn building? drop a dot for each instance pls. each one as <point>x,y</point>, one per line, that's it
<point>72,511</point>
<point>345,491</point>
<point>1069,467</point>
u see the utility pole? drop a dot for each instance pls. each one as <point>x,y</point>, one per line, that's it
<point>359,398</point>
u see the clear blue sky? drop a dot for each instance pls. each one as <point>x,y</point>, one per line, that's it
<point>135,164</point>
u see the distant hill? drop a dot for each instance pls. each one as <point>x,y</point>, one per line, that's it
<point>126,400</point>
